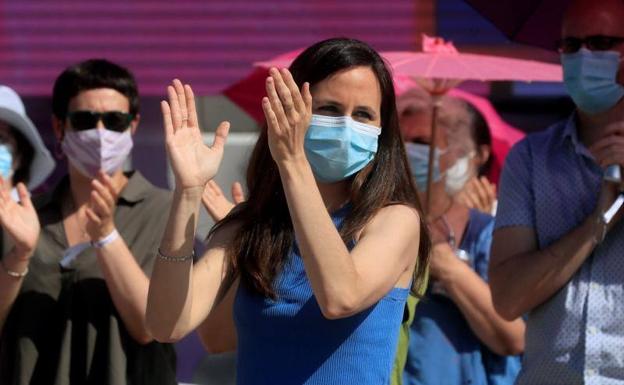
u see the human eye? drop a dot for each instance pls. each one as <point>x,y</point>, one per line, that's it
<point>363,116</point>
<point>328,109</point>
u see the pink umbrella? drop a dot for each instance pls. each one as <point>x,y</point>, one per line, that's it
<point>441,60</point>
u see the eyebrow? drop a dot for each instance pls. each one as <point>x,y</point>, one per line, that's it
<point>337,104</point>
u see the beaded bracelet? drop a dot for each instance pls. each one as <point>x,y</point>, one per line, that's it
<point>183,258</point>
<point>12,273</point>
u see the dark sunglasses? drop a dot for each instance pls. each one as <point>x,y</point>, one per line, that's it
<point>592,43</point>
<point>113,120</point>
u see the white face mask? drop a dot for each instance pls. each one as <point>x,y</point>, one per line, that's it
<point>458,174</point>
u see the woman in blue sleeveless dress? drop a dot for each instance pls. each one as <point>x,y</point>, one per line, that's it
<point>317,264</point>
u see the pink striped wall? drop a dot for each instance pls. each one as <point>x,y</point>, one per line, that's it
<point>208,43</point>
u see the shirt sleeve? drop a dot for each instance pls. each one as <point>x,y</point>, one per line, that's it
<point>515,196</point>
<point>482,250</point>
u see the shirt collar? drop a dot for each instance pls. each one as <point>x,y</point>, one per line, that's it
<point>570,137</point>
<point>135,191</point>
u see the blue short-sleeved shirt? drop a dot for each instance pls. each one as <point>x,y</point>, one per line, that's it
<point>443,349</point>
<point>551,183</point>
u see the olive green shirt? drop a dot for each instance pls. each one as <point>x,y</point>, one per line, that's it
<point>408,318</point>
<point>64,328</point>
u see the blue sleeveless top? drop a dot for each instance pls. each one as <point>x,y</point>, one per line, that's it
<point>288,341</point>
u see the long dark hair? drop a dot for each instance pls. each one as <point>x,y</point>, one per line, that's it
<point>265,235</point>
<point>480,132</point>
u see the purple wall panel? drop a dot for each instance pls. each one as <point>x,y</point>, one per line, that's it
<point>209,44</point>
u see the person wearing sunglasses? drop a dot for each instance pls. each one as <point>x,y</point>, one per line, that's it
<point>76,305</point>
<point>556,254</point>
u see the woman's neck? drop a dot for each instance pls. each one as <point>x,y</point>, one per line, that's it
<point>334,195</point>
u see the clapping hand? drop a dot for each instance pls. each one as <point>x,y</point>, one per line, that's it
<point>478,193</point>
<point>101,208</point>
<point>288,112</point>
<point>217,205</point>
<point>193,162</point>
<point>19,220</point>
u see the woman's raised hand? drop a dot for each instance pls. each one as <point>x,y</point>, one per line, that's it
<point>288,112</point>
<point>193,162</point>
<point>19,220</point>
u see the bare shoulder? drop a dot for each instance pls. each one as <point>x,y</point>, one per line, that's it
<point>217,245</point>
<point>223,235</point>
<point>393,218</point>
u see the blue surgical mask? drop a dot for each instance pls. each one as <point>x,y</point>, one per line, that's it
<point>6,162</point>
<point>591,79</point>
<point>418,156</point>
<point>338,146</point>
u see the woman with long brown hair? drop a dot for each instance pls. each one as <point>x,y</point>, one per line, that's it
<point>318,262</point>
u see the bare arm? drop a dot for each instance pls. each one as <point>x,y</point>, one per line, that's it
<point>217,333</point>
<point>20,222</point>
<point>343,282</point>
<point>522,276</point>
<point>473,297</point>
<point>172,311</point>
<point>127,285</point>
<point>126,282</point>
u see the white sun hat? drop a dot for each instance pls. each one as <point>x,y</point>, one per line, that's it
<point>12,112</point>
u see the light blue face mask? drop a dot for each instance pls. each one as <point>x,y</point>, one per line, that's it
<point>6,162</point>
<point>338,146</point>
<point>418,156</point>
<point>590,78</point>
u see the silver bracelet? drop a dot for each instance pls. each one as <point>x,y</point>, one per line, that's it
<point>12,273</point>
<point>168,258</point>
